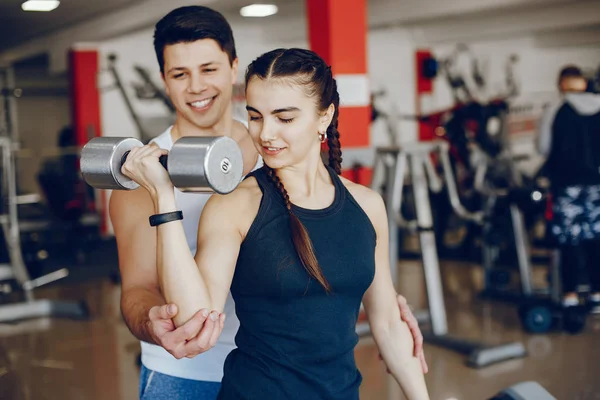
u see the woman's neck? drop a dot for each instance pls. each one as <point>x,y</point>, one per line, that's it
<point>305,180</point>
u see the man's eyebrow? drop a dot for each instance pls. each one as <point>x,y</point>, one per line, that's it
<point>204,65</point>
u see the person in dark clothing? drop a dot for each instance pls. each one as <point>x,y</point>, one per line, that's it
<point>569,138</point>
<point>299,246</point>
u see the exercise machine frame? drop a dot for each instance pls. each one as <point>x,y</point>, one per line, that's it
<point>416,157</point>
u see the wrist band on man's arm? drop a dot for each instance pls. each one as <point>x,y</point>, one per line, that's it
<point>158,219</point>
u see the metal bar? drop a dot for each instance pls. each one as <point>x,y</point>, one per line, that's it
<point>112,59</point>
<point>42,308</point>
<point>435,183</point>
<point>13,125</point>
<point>522,247</point>
<point>428,247</point>
<point>11,230</point>
<point>392,227</point>
<point>6,272</point>
<point>46,279</point>
<point>396,190</point>
<point>487,250</point>
<point>453,192</point>
<point>555,278</point>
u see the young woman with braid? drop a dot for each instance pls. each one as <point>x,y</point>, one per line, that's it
<point>299,246</point>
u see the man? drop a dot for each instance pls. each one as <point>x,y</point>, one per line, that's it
<point>569,139</point>
<point>196,53</point>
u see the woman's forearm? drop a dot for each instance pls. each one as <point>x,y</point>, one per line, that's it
<point>395,344</point>
<point>178,275</point>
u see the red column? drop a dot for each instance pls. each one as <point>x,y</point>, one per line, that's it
<point>338,32</point>
<point>423,87</point>
<point>84,94</point>
<point>85,108</point>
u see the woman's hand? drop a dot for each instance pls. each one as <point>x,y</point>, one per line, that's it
<point>143,166</point>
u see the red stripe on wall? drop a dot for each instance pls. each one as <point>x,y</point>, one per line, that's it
<point>337,31</point>
<point>84,95</point>
<point>423,86</point>
<point>362,175</point>
<point>85,105</point>
<point>349,34</point>
<point>354,126</point>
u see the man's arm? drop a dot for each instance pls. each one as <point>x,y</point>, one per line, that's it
<point>136,244</point>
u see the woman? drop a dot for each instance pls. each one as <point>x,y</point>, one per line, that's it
<point>299,247</point>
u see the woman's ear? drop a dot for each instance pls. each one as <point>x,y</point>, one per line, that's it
<point>327,118</point>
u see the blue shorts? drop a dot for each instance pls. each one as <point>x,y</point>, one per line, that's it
<point>576,214</point>
<point>157,386</point>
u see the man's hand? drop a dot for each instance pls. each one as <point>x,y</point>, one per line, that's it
<point>196,336</point>
<point>408,317</point>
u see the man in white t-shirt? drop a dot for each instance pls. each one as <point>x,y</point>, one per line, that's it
<point>196,53</point>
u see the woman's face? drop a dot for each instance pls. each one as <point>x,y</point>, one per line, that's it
<point>284,122</point>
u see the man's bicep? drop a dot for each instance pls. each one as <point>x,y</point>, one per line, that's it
<point>136,239</point>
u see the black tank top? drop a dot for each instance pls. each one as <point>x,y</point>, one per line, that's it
<point>295,341</point>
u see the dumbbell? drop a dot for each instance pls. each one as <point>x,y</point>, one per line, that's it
<point>195,164</point>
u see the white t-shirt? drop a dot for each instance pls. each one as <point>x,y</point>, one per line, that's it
<point>207,366</point>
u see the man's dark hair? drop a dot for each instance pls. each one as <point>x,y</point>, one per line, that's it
<point>570,71</point>
<point>188,24</point>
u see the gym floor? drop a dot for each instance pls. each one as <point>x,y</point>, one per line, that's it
<point>95,359</point>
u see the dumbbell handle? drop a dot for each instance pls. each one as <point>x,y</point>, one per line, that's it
<point>162,159</point>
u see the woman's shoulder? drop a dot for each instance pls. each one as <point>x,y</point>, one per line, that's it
<point>368,199</point>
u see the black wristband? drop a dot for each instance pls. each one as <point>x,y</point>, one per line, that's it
<point>158,219</point>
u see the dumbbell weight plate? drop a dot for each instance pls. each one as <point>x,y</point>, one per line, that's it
<point>101,161</point>
<point>206,164</point>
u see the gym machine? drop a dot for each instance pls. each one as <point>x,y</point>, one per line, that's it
<point>539,313</point>
<point>524,391</point>
<point>9,219</point>
<point>416,157</point>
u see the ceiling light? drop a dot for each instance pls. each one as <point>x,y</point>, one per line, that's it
<point>40,5</point>
<point>258,10</point>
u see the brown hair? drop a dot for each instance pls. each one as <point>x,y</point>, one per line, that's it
<point>310,72</point>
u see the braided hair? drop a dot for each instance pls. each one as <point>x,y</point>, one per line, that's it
<point>310,72</point>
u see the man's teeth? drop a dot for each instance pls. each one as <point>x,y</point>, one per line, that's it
<point>200,104</point>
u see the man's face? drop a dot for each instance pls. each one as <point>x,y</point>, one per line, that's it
<point>199,80</point>
<point>573,84</point>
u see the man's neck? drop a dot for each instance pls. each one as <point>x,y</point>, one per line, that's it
<point>182,127</point>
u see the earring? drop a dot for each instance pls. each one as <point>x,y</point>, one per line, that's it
<point>322,137</point>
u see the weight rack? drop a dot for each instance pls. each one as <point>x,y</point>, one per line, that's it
<point>15,269</point>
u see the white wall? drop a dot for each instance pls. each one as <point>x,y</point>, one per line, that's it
<point>391,68</point>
